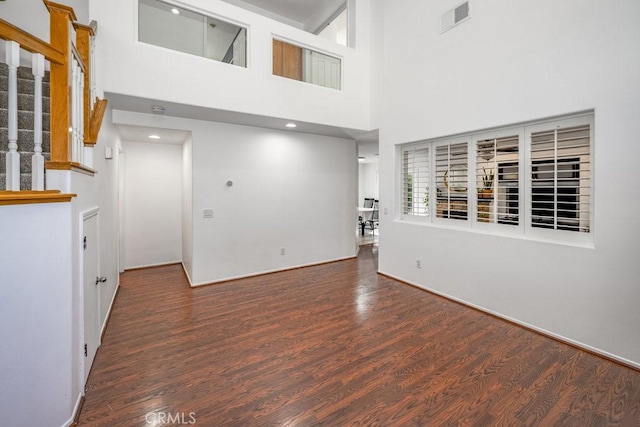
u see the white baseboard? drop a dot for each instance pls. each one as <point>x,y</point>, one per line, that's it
<point>160,264</point>
<point>186,273</point>
<point>245,276</point>
<point>76,409</point>
<point>106,318</point>
<point>553,335</point>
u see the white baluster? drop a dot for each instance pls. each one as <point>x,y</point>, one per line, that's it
<point>92,73</point>
<point>81,115</point>
<point>74,112</point>
<point>37,160</point>
<point>13,157</point>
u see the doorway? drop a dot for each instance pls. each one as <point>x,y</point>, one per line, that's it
<point>368,190</point>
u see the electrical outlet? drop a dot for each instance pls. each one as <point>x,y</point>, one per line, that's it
<point>386,211</point>
<point>207,213</point>
<point>418,263</point>
<point>282,251</point>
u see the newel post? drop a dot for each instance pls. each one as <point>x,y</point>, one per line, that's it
<point>84,33</point>
<point>61,17</point>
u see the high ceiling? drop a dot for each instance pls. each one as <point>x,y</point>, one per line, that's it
<point>295,12</point>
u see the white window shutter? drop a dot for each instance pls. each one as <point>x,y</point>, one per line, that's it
<point>415,181</point>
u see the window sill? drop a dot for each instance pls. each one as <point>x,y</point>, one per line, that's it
<point>582,241</point>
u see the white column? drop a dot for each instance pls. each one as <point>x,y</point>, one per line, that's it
<point>13,157</point>
<point>37,160</point>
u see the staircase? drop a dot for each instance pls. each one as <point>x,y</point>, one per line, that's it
<point>25,123</point>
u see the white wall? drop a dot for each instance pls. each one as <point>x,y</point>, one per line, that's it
<point>290,190</point>
<point>108,199</point>
<point>36,315</point>
<point>36,20</point>
<point>42,257</point>
<point>187,206</point>
<point>152,204</point>
<point>97,191</point>
<point>368,181</point>
<point>514,62</point>
<point>142,70</point>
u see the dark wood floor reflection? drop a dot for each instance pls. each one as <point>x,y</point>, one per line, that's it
<point>336,345</point>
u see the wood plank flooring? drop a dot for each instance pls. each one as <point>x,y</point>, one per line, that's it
<point>336,345</point>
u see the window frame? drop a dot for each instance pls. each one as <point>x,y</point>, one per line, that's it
<point>499,134</point>
<point>578,237</point>
<point>466,139</point>
<point>524,228</point>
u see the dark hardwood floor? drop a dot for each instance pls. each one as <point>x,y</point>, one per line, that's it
<point>336,345</point>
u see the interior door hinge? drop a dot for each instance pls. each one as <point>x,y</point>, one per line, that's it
<point>85,350</point>
<point>84,243</point>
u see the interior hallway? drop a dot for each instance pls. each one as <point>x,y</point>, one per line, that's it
<point>336,344</point>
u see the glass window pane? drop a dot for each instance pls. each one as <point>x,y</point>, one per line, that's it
<point>302,64</point>
<point>179,29</point>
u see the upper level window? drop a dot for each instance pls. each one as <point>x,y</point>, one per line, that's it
<point>305,65</point>
<point>533,179</point>
<point>175,28</point>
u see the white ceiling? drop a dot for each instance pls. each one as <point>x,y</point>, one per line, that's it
<point>367,140</point>
<point>298,11</point>
<point>368,148</point>
<point>141,134</point>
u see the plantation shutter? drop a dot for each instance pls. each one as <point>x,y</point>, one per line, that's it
<point>561,179</point>
<point>497,179</point>
<point>452,180</point>
<point>415,181</point>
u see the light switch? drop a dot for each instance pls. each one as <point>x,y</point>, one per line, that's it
<point>207,213</point>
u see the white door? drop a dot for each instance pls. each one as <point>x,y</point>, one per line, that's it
<point>90,290</point>
<point>321,69</point>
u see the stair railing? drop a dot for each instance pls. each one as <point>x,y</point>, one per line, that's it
<point>17,40</point>
<point>75,113</point>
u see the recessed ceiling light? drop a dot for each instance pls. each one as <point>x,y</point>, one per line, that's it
<point>154,137</point>
<point>291,125</point>
<point>175,11</point>
<point>361,159</point>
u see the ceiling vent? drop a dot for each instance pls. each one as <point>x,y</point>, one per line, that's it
<point>454,17</point>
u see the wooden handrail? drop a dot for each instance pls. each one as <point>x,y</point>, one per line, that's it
<point>81,63</point>
<point>60,52</point>
<point>30,43</point>
<point>91,134</point>
<point>30,197</point>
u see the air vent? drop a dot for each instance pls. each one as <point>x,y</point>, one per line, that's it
<point>454,17</point>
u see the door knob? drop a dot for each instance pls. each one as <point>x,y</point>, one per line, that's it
<point>100,280</point>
